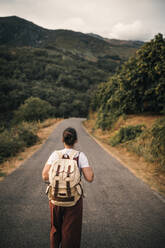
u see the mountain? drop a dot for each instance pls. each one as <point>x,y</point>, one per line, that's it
<point>121,43</point>
<point>15,31</point>
<point>62,67</point>
<point>96,36</point>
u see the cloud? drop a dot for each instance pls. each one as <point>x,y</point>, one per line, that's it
<point>128,19</point>
<point>130,31</point>
<point>74,23</point>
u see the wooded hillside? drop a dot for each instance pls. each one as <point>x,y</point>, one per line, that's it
<point>137,87</point>
<point>61,67</point>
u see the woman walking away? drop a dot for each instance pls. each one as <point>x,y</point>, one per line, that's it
<point>63,170</point>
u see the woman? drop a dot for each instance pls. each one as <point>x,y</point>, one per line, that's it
<point>66,222</point>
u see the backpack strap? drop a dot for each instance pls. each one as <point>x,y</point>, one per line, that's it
<point>73,153</point>
<point>60,154</point>
<point>70,156</point>
<point>57,181</point>
<point>68,183</point>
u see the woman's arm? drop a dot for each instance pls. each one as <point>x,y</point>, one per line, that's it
<point>45,172</point>
<point>88,174</point>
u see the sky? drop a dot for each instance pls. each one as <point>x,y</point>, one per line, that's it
<point>114,19</point>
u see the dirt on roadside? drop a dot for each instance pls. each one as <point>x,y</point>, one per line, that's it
<point>44,130</point>
<point>150,173</point>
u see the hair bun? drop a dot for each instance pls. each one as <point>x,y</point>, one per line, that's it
<point>67,134</point>
<point>70,136</point>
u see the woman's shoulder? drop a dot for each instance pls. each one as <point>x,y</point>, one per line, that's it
<point>83,160</point>
<point>82,154</point>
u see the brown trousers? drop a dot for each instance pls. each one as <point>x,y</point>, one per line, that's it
<point>66,225</point>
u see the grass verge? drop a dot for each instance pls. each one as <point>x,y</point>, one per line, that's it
<point>44,129</point>
<point>150,173</point>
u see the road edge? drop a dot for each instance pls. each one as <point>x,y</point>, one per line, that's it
<point>154,191</point>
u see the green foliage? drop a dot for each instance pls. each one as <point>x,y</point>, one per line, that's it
<point>105,119</point>
<point>26,133</point>
<point>59,66</point>
<point>126,133</point>
<point>150,144</point>
<point>56,76</point>
<point>137,87</point>
<point>47,73</point>
<point>15,139</point>
<point>9,145</point>
<point>34,109</point>
<point>158,141</point>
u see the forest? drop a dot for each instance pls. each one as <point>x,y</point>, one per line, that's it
<point>61,73</point>
<point>59,67</point>
<point>137,88</point>
<point>61,79</point>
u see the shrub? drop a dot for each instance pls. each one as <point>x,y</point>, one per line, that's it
<point>34,109</point>
<point>158,141</point>
<point>27,134</point>
<point>9,145</point>
<point>126,133</point>
<point>138,86</point>
<point>142,145</point>
<point>14,140</point>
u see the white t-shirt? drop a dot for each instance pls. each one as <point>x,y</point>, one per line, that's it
<point>82,162</point>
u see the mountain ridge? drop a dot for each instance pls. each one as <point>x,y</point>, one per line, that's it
<point>58,66</point>
<point>16,31</point>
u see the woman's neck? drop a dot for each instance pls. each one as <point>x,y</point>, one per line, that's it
<point>68,147</point>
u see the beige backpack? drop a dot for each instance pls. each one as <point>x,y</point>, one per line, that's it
<point>65,180</point>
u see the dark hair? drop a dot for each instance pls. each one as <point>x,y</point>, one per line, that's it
<point>69,136</point>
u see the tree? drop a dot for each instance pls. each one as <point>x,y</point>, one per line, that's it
<point>138,87</point>
<point>34,109</point>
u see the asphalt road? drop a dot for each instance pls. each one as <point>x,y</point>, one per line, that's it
<point>119,209</point>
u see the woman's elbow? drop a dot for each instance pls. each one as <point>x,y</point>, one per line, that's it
<point>45,172</point>
<point>88,174</point>
<point>44,177</point>
<point>89,178</point>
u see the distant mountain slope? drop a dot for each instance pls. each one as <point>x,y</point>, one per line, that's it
<point>19,32</point>
<point>15,31</point>
<point>62,67</point>
<point>122,43</point>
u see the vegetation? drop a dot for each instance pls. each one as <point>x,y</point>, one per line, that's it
<point>126,133</point>
<point>47,73</point>
<point>16,139</point>
<point>60,67</point>
<point>63,82</point>
<point>137,87</point>
<point>34,109</point>
<point>158,141</point>
<point>151,143</point>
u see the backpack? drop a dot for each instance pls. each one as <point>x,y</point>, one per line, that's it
<point>65,180</point>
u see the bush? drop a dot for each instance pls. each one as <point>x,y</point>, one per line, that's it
<point>137,87</point>
<point>14,140</point>
<point>9,145</point>
<point>34,109</point>
<point>158,141</point>
<point>126,133</point>
<point>27,134</point>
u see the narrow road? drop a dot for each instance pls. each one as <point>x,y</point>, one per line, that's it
<point>119,209</point>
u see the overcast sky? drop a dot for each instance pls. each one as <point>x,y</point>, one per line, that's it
<point>120,19</point>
